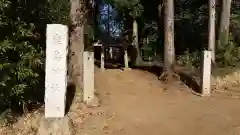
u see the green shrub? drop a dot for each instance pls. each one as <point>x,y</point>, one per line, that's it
<point>22,45</point>
<point>227,55</point>
<point>189,59</point>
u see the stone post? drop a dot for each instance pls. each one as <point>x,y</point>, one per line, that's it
<point>102,58</point>
<point>88,76</point>
<point>205,82</point>
<point>54,122</point>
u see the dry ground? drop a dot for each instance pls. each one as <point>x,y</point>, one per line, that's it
<point>135,102</point>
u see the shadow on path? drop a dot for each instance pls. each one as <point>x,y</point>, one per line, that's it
<point>187,77</point>
<point>109,65</point>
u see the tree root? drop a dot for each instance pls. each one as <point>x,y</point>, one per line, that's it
<point>169,76</point>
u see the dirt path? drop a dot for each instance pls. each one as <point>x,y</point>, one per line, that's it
<point>135,103</point>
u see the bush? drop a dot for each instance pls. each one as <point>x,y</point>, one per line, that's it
<point>22,50</point>
<point>227,55</point>
<point>21,53</point>
<point>189,59</point>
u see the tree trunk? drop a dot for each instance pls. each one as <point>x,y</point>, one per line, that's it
<point>211,28</point>
<point>168,73</point>
<point>108,23</point>
<point>95,18</point>
<point>224,23</point>
<point>169,49</point>
<point>135,41</point>
<point>76,48</point>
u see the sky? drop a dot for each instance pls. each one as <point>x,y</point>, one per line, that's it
<point>114,26</point>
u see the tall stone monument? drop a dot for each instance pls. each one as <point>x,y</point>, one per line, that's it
<point>56,70</point>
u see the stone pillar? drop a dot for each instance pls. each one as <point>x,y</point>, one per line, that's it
<point>56,70</point>
<point>54,122</point>
<point>205,81</point>
<point>88,76</point>
<point>126,59</point>
<point>102,58</point>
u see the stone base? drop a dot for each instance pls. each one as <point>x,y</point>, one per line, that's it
<point>95,102</point>
<point>55,126</point>
<point>126,69</point>
<point>205,95</point>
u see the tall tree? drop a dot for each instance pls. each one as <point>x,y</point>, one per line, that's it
<point>135,41</point>
<point>135,12</point>
<point>211,31</point>
<point>77,17</point>
<point>224,23</point>
<point>169,49</point>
